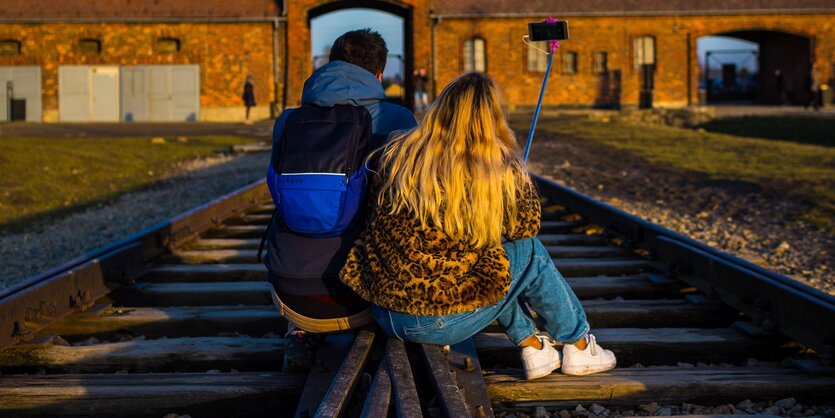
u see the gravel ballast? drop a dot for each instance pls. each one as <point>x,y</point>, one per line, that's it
<point>53,242</point>
<point>787,407</point>
<point>750,221</point>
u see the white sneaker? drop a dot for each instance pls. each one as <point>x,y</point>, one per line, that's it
<point>593,359</point>
<point>540,363</point>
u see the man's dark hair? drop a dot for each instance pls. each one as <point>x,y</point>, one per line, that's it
<point>364,48</point>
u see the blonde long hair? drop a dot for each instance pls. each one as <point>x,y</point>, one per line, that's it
<point>460,169</point>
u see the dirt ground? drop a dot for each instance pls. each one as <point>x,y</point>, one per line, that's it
<point>753,221</point>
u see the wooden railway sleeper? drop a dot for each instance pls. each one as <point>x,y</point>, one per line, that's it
<point>443,377</point>
<point>455,373</point>
<point>630,234</point>
<point>342,385</point>
<point>379,395</point>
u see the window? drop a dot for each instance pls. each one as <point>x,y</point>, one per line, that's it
<point>168,45</point>
<point>569,63</point>
<point>644,51</point>
<point>537,59</point>
<point>90,46</point>
<point>9,47</point>
<point>475,55</point>
<point>600,63</point>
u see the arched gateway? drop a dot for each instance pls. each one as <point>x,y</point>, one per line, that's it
<point>774,70</point>
<point>416,38</point>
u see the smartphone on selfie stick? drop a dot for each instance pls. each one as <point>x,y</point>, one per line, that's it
<point>552,31</point>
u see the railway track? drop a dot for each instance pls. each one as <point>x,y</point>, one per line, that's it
<point>178,319</point>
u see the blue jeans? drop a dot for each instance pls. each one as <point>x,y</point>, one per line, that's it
<point>534,277</point>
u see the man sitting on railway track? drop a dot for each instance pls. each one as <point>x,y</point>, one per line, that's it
<point>304,270</point>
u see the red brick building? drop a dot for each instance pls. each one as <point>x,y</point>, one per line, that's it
<point>601,64</point>
<point>113,60</point>
<point>187,59</point>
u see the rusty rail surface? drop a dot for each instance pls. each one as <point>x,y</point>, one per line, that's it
<point>73,286</point>
<point>775,302</point>
<point>180,314</point>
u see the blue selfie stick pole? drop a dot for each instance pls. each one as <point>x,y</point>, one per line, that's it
<point>538,107</point>
<point>553,47</point>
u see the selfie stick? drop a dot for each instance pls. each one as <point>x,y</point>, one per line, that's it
<point>553,49</point>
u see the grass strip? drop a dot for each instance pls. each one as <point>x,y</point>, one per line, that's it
<point>52,176</point>
<point>802,129</point>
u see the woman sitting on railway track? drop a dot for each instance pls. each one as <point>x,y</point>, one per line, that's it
<point>439,260</point>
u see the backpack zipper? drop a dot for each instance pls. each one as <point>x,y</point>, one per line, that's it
<point>351,157</point>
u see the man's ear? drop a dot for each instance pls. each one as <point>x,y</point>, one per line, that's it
<point>379,76</point>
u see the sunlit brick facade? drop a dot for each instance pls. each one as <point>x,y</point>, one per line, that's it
<point>270,39</point>
<point>225,52</point>
<point>677,72</point>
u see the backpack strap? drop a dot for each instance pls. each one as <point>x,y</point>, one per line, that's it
<point>266,234</point>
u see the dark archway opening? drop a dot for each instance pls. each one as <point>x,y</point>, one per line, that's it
<point>405,13</point>
<point>773,70</point>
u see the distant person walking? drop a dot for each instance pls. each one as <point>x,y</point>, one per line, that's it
<point>780,84</point>
<point>249,95</point>
<point>421,83</point>
<point>813,85</point>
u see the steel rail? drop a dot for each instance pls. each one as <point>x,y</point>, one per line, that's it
<point>76,284</point>
<point>773,301</point>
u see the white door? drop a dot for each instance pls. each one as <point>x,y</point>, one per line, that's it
<point>104,94</point>
<point>185,92</point>
<point>88,94</point>
<point>26,84</point>
<point>73,93</point>
<point>134,94</point>
<point>173,92</point>
<point>159,95</point>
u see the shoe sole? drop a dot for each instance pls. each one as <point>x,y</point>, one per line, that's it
<point>586,370</point>
<point>541,371</point>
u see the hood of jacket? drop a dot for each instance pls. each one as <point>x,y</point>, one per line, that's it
<point>339,82</point>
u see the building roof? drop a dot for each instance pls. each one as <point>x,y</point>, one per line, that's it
<point>474,8</point>
<point>232,9</point>
<point>137,9</point>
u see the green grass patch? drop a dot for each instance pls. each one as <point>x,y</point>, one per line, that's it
<point>805,130</point>
<point>800,171</point>
<point>51,176</point>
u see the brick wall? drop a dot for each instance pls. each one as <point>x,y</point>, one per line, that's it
<point>676,39</point>
<point>226,53</point>
<point>677,70</point>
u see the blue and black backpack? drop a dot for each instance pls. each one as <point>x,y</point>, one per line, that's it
<point>317,173</point>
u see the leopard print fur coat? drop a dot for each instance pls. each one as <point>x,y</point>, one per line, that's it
<point>401,266</point>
